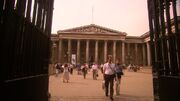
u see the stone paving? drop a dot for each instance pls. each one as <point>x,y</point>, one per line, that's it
<point>135,86</point>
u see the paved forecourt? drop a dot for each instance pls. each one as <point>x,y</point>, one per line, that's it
<point>135,86</point>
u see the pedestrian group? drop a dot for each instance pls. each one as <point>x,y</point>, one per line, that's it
<point>112,73</point>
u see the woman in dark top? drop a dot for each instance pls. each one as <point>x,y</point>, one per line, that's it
<point>119,73</point>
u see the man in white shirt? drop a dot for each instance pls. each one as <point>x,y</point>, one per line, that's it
<point>109,74</point>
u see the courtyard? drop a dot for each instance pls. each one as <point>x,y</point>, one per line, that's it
<point>135,86</point>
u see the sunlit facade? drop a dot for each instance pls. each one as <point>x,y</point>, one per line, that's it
<point>94,43</point>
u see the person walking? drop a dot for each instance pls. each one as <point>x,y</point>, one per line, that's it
<point>71,68</point>
<point>101,68</point>
<point>84,70</point>
<point>78,68</point>
<point>109,75</point>
<point>119,73</point>
<point>57,66</point>
<point>95,71</point>
<point>66,73</point>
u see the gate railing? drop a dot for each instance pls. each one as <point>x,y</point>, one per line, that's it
<point>25,28</point>
<point>165,48</point>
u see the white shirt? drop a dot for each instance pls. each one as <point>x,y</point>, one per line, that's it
<point>94,67</point>
<point>109,68</point>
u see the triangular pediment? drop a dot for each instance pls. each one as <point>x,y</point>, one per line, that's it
<point>92,28</point>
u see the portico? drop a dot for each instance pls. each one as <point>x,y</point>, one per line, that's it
<point>93,43</point>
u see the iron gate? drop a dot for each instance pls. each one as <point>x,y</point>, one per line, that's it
<point>165,49</point>
<point>25,28</point>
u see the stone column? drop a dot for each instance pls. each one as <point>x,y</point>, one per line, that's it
<point>136,53</point>
<point>114,51</point>
<point>54,46</point>
<point>129,60</point>
<point>128,48</point>
<point>69,51</point>
<point>148,54</point>
<point>96,51</point>
<point>105,51</point>
<point>78,51</point>
<point>123,52</point>
<point>87,51</point>
<point>60,51</point>
<point>144,55</point>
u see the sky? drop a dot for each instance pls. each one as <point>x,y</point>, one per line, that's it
<point>130,16</point>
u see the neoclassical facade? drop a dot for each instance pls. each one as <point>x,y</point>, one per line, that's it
<point>94,43</point>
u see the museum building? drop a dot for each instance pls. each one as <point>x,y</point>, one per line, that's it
<point>94,43</point>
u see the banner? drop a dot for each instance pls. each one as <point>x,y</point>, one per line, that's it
<point>73,59</point>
